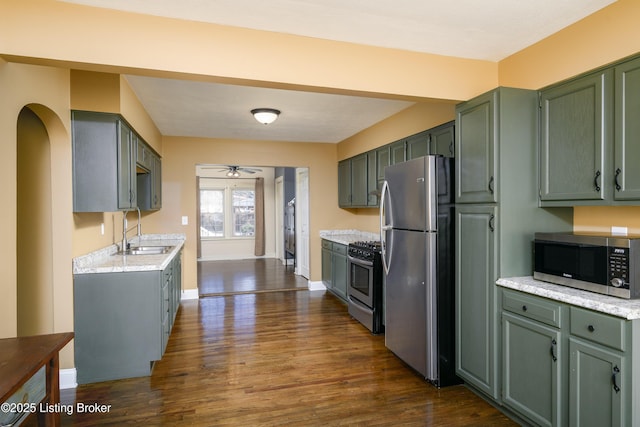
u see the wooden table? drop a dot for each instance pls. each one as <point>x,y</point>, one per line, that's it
<point>22,357</point>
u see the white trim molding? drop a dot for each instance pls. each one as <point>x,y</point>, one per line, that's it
<point>316,286</point>
<point>68,378</point>
<point>189,294</point>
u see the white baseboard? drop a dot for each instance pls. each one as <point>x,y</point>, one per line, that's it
<point>68,378</point>
<point>316,286</point>
<point>189,294</point>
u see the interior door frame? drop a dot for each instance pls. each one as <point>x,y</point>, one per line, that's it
<point>279,214</point>
<point>302,222</point>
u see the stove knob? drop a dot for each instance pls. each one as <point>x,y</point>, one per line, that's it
<point>617,282</point>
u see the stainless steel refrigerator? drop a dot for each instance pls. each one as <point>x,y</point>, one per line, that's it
<point>417,232</point>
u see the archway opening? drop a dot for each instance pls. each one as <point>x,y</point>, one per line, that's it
<point>34,245</point>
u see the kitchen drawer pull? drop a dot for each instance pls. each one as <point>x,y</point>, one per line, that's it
<point>491,224</point>
<point>591,328</point>
<point>614,379</point>
<point>618,172</point>
<point>595,181</point>
<point>524,308</point>
<point>553,350</point>
<point>491,185</point>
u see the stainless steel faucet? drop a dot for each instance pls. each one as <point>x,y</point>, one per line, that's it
<point>125,244</point>
<point>124,231</point>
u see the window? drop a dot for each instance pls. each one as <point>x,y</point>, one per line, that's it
<point>244,212</point>
<point>227,213</point>
<point>211,213</point>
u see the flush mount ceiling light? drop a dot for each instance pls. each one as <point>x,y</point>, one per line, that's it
<point>265,115</point>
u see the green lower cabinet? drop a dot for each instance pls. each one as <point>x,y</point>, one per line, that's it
<point>334,268</point>
<point>326,264</point>
<point>122,321</point>
<point>339,270</point>
<point>598,386</point>
<point>532,375</point>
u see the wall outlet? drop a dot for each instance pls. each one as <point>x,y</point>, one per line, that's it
<point>619,231</point>
<point>102,228</point>
<point>185,220</point>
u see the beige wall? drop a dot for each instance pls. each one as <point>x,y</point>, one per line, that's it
<point>45,91</point>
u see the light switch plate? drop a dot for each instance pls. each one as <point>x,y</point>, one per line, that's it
<point>185,220</point>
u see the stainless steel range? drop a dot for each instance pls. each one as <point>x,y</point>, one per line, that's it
<point>364,284</point>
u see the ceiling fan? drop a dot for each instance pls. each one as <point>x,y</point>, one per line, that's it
<point>234,171</point>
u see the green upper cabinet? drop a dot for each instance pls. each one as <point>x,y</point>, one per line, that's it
<point>126,168</point>
<point>575,131</point>
<point>113,168</point>
<point>397,152</point>
<point>372,178</point>
<point>417,145</point>
<point>353,182</point>
<point>344,183</point>
<point>383,159</point>
<point>476,140</point>
<point>359,180</point>
<point>442,140</point>
<point>627,131</point>
<point>104,165</point>
<point>590,138</point>
<point>150,184</point>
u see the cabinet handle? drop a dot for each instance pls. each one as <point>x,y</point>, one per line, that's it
<point>451,148</point>
<point>491,224</point>
<point>591,328</point>
<point>524,308</point>
<point>491,184</point>
<point>614,379</point>
<point>553,350</point>
<point>595,181</point>
<point>618,172</point>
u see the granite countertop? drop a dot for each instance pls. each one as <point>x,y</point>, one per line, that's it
<point>348,236</point>
<point>626,308</point>
<point>105,261</point>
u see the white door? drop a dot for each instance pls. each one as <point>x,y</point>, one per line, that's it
<point>302,222</point>
<point>280,218</point>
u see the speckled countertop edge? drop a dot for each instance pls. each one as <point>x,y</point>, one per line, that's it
<point>105,261</point>
<point>348,236</point>
<point>619,307</point>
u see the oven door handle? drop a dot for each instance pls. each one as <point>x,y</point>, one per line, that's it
<point>359,261</point>
<point>359,305</point>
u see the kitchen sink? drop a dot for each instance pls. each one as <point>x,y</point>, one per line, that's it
<point>145,250</point>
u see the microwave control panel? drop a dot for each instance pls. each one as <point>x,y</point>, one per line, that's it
<point>619,267</point>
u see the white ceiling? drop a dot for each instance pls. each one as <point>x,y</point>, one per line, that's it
<point>478,29</point>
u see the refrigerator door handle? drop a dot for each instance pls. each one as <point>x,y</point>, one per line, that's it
<point>384,227</point>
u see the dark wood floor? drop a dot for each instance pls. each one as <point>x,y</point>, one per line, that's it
<point>246,276</point>
<point>272,359</point>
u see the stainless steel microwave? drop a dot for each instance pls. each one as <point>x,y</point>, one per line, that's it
<point>601,263</point>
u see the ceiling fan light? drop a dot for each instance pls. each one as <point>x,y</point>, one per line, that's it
<point>265,115</point>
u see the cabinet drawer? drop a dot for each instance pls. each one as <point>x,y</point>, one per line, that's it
<point>326,244</point>
<point>340,248</point>
<point>31,392</point>
<point>598,327</point>
<point>532,307</point>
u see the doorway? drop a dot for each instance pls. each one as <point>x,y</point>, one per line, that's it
<point>227,263</point>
